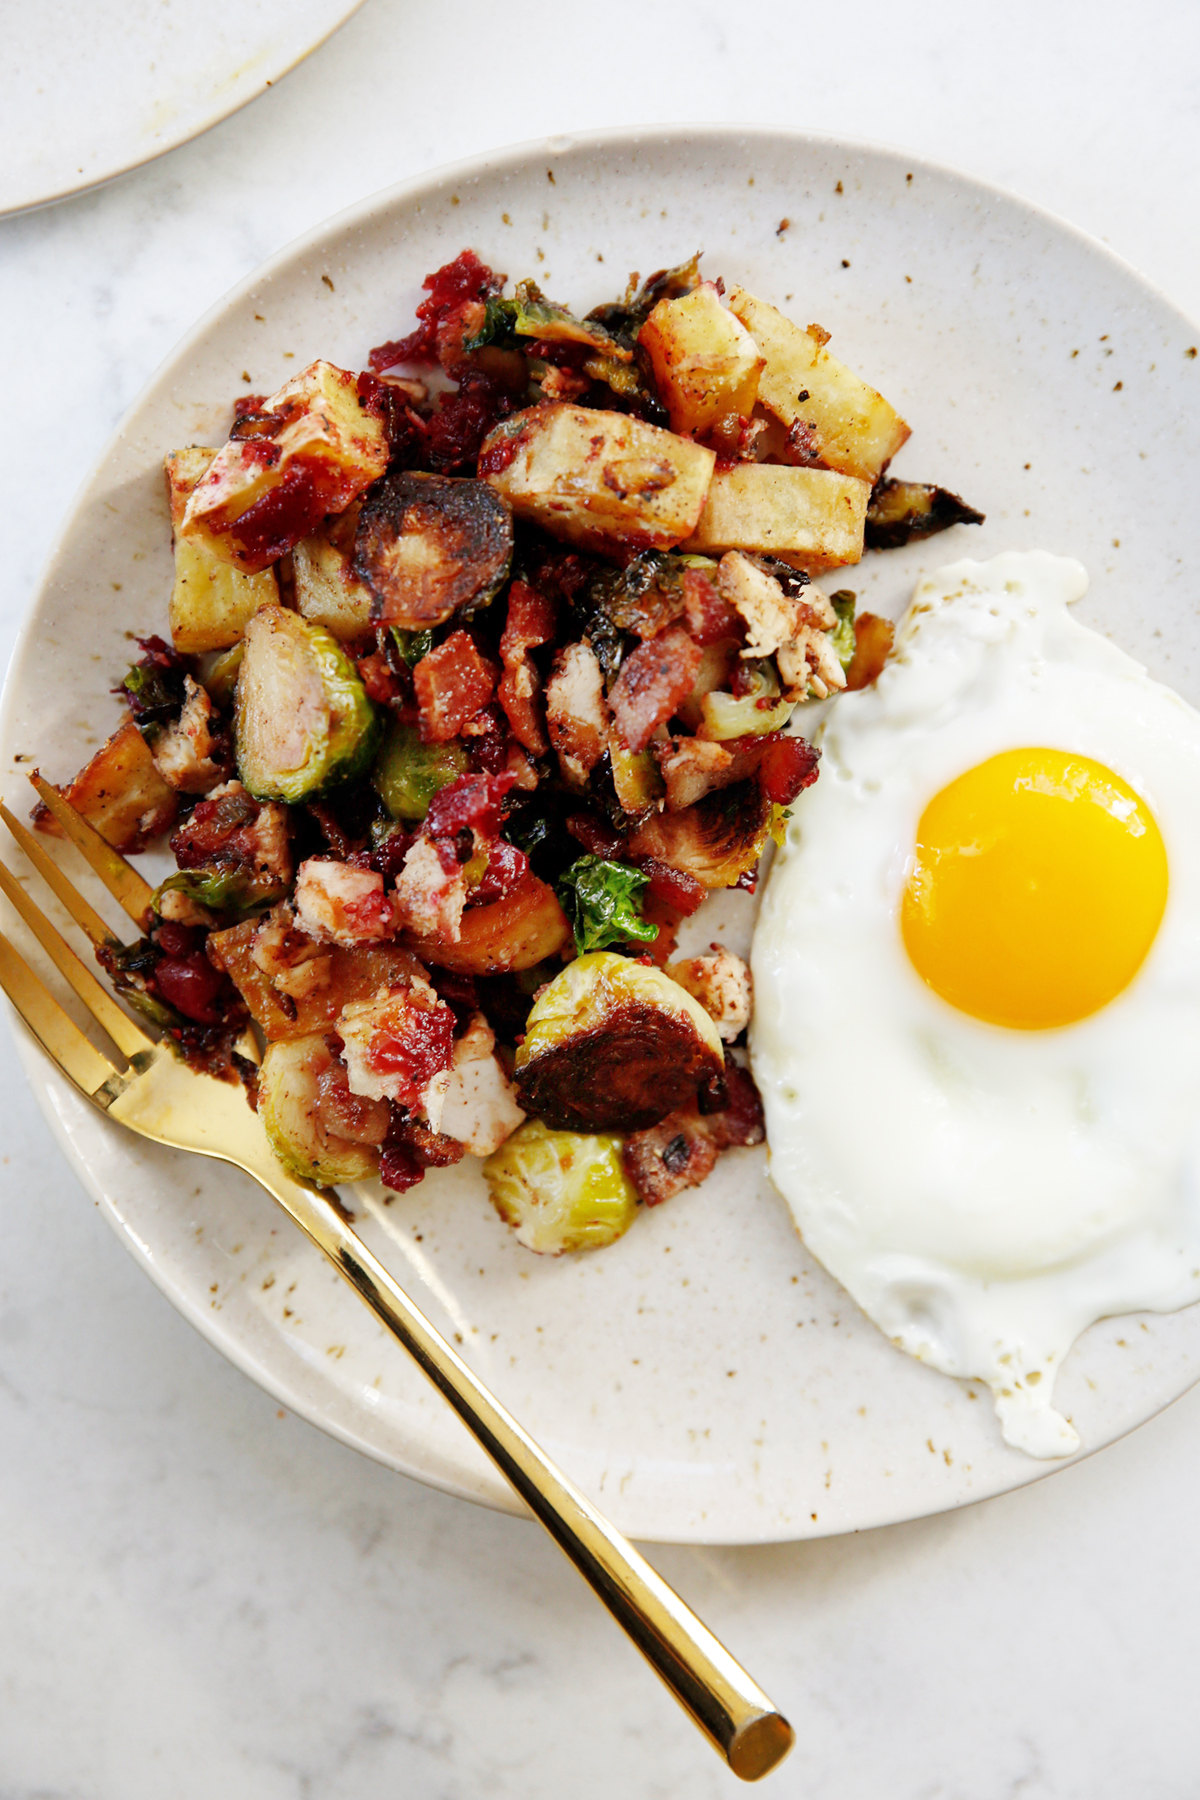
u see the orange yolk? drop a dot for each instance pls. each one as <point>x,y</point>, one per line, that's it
<point>1040,882</point>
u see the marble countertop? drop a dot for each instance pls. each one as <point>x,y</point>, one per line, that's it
<point>200,1594</point>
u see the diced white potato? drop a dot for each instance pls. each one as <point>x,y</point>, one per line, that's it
<point>327,591</point>
<point>320,438</point>
<point>598,479</point>
<point>211,601</point>
<point>121,793</point>
<point>810,518</point>
<point>853,428</point>
<point>706,364</point>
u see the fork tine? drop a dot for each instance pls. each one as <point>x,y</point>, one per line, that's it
<point>128,1037</point>
<point>58,1034</point>
<point>84,915</point>
<point>120,878</point>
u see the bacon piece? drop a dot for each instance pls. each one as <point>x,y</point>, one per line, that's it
<point>654,679</point>
<point>708,614</point>
<point>380,681</point>
<point>596,835</point>
<point>682,1149</point>
<point>788,766</point>
<point>530,623</point>
<point>453,683</point>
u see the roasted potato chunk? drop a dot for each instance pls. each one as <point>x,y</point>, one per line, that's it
<point>706,364</point>
<point>428,546</point>
<point>327,591</point>
<point>810,518</point>
<point>601,480</point>
<point>314,448</point>
<point>560,1190</point>
<point>211,601</point>
<point>845,423</point>
<point>614,1045</point>
<point>121,793</point>
<point>522,929</point>
<point>264,967</point>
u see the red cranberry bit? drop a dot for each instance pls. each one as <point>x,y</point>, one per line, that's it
<point>191,985</point>
<point>422,1050</point>
<point>449,287</point>
<point>469,802</point>
<point>399,1168</point>
<point>507,868</point>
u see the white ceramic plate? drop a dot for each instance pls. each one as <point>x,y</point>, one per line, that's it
<point>87,92</point>
<point>702,1379</point>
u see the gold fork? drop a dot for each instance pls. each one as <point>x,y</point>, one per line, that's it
<point>159,1097</point>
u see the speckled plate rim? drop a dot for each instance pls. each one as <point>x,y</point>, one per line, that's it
<point>56,1098</point>
<point>200,119</point>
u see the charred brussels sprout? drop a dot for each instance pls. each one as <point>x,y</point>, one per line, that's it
<point>899,511</point>
<point>302,722</point>
<point>288,1105</point>
<point>603,901</point>
<point>615,1045</point>
<point>718,840</point>
<point>429,546</point>
<point>408,773</point>
<point>561,1190</point>
<point>236,891</point>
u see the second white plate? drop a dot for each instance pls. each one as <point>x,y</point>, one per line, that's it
<point>87,92</point>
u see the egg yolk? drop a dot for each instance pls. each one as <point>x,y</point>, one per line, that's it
<point>1040,882</point>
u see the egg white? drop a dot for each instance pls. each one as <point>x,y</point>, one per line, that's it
<point>984,1194</point>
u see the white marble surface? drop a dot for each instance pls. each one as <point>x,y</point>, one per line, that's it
<point>199,1597</point>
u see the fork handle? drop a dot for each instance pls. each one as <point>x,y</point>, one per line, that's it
<point>731,1709</point>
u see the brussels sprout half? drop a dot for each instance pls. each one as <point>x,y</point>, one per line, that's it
<point>428,546</point>
<point>408,773</point>
<point>561,1190</point>
<point>615,1045</point>
<point>302,721</point>
<point>287,1106</point>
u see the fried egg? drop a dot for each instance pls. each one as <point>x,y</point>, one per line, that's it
<point>977,989</point>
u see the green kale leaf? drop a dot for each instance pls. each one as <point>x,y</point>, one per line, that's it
<point>603,900</point>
